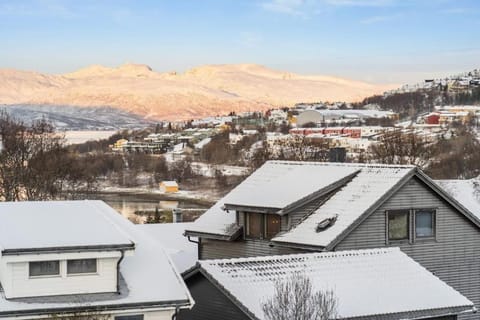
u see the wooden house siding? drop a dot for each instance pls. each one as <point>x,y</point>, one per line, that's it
<point>210,303</point>
<point>453,255</point>
<point>218,249</point>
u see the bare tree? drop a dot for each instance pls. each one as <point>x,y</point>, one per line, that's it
<point>295,298</point>
<point>401,148</point>
<point>33,160</point>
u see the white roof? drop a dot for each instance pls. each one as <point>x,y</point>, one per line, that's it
<point>349,203</point>
<point>55,224</point>
<point>183,253</point>
<point>170,183</point>
<point>202,143</point>
<point>278,184</point>
<point>467,192</point>
<point>149,274</point>
<point>365,282</point>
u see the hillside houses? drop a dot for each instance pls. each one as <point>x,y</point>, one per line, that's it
<point>336,207</point>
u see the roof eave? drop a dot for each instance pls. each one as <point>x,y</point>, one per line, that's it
<point>167,304</point>
<point>247,208</point>
<point>68,249</point>
<point>214,236</point>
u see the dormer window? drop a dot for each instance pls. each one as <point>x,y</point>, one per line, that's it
<point>80,266</point>
<point>44,268</point>
<point>262,226</point>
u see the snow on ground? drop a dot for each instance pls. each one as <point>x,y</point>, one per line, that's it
<point>74,137</point>
<point>207,170</point>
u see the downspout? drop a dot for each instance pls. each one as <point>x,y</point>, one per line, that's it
<point>118,270</point>
<point>198,245</point>
<point>174,315</point>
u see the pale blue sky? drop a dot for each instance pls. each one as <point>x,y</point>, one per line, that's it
<point>374,40</point>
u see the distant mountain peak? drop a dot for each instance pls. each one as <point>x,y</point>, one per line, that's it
<point>202,91</point>
<point>124,70</point>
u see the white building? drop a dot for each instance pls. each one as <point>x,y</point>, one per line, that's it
<point>63,258</point>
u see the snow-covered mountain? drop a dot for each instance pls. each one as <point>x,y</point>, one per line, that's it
<point>203,91</point>
<point>77,118</point>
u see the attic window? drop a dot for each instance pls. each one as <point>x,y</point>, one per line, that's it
<point>326,223</point>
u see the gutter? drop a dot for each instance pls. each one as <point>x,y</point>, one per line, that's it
<point>197,243</point>
<point>98,308</point>
<point>174,315</point>
<point>25,251</point>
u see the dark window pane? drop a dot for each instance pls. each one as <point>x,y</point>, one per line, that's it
<point>82,266</point>
<point>398,225</point>
<point>424,223</point>
<point>134,317</point>
<point>44,268</point>
<point>254,225</point>
<point>273,225</point>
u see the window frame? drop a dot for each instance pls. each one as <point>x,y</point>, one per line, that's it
<point>387,229</point>
<point>434,225</point>
<point>266,233</point>
<point>247,226</point>
<point>73,274</point>
<point>412,233</point>
<point>56,275</point>
<point>263,225</point>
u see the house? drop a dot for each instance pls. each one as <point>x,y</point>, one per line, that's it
<point>370,284</point>
<point>168,186</point>
<point>64,258</point>
<point>295,207</point>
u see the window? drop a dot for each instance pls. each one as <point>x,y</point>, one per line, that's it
<point>133,317</point>
<point>272,225</point>
<point>82,266</point>
<point>44,268</point>
<point>424,223</point>
<point>398,225</point>
<point>254,225</point>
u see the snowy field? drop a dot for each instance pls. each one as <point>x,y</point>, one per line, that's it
<point>74,137</point>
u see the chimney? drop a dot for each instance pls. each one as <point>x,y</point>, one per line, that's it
<point>177,215</point>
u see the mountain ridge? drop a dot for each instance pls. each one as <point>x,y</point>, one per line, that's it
<point>201,91</point>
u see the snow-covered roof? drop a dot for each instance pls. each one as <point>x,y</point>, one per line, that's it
<point>366,283</point>
<point>183,253</point>
<point>57,224</point>
<point>169,183</point>
<point>348,204</point>
<point>150,279</point>
<point>202,143</point>
<point>466,192</point>
<point>279,183</point>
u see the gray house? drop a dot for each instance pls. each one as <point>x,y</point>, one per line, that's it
<point>295,207</point>
<point>374,284</point>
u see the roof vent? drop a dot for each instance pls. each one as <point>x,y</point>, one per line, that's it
<point>326,223</point>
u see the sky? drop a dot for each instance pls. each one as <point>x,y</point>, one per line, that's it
<point>381,41</point>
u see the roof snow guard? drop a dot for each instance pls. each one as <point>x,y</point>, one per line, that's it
<point>366,283</point>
